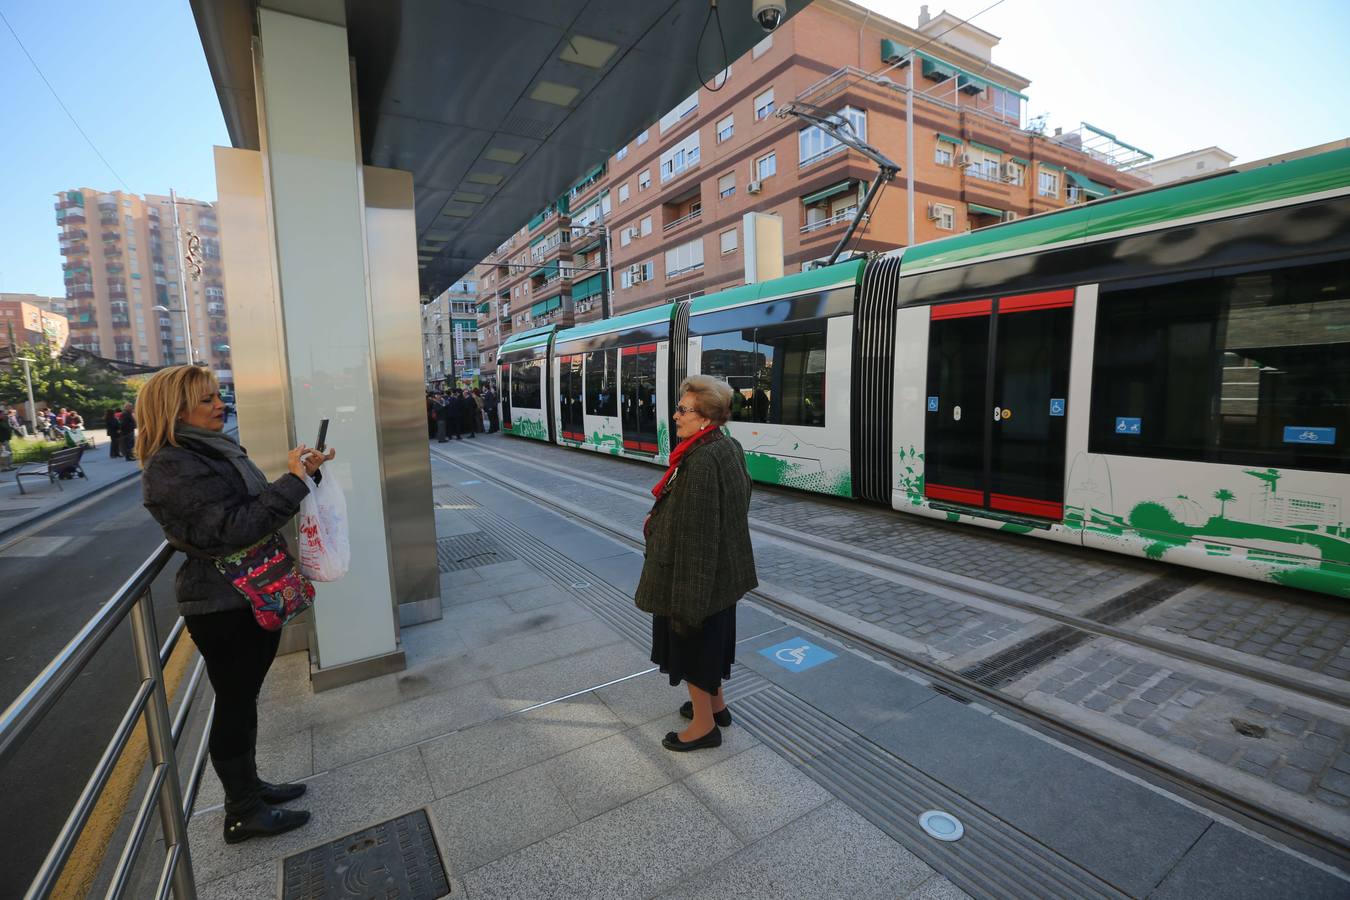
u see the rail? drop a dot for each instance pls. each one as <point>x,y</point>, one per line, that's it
<point>17,723</point>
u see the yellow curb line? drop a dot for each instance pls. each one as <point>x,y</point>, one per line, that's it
<point>77,878</point>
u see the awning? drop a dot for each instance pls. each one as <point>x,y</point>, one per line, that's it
<point>984,210</point>
<point>545,306</point>
<point>547,270</point>
<point>1020,161</point>
<point>1092,189</point>
<point>892,51</point>
<point>1048,165</point>
<point>987,149</point>
<point>589,287</point>
<point>592,174</point>
<point>949,139</point>
<point>485,307</point>
<point>970,84</point>
<point>828,192</point>
<point>937,71</point>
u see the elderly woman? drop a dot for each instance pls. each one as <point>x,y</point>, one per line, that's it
<point>211,501</point>
<point>699,560</point>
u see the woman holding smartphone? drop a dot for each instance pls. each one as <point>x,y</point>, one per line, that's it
<point>211,501</point>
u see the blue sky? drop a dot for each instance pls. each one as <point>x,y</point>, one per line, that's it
<point>1255,78</point>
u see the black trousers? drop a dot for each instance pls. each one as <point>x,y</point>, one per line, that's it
<point>238,653</point>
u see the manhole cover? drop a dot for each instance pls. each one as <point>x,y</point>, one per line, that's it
<point>395,859</point>
<point>941,825</point>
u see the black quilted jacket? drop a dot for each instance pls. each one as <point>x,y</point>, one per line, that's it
<point>699,559</point>
<point>200,501</point>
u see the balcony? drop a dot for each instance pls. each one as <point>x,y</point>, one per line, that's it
<point>109,236</point>
<point>215,309</point>
<point>75,250</point>
<point>208,223</point>
<point>692,216</point>
<point>72,217</point>
<point>77,234</point>
<point>120,321</point>
<point>839,218</point>
<point>109,220</point>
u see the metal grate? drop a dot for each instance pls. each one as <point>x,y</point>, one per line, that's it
<point>397,858</point>
<point>1009,665</point>
<point>874,367</point>
<point>469,551</point>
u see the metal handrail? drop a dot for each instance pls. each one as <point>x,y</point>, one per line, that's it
<point>23,716</point>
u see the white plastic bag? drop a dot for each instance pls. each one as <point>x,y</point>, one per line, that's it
<point>325,552</point>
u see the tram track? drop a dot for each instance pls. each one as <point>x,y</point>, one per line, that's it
<point>1099,621</point>
<point>1282,826</point>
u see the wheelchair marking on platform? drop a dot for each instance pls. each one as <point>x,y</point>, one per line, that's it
<point>797,654</point>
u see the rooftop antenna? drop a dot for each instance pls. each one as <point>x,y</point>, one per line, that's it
<point>837,127</point>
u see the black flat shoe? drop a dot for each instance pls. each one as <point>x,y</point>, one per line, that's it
<point>262,821</point>
<point>723,718</point>
<point>672,741</point>
<point>279,793</point>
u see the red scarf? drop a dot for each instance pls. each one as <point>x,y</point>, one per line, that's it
<point>678,454</point>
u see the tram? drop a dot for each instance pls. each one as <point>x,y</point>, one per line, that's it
<point>1164,374</point>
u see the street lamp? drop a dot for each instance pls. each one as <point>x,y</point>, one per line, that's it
<point>187,327</point>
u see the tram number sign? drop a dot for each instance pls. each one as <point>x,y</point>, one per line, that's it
<point>1302,434</point>
<point>1127,425</point>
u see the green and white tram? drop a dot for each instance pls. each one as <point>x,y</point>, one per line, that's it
<point>1164,374</point>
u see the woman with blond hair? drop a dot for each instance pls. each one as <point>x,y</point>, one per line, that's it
<point>699,561</point>
<point>212,501</point>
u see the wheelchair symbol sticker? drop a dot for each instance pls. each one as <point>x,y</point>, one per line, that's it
<point>1056,407</point>
<point>932,404</point>
<point>797,654</point>
<point>1128,425</point>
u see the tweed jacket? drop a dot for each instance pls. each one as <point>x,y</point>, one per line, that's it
<point>699,560</point>
<point>199,499</point>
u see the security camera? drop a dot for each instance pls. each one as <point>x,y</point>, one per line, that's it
<point>769,13</point>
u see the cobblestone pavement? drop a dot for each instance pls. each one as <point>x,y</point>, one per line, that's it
<point>1291,748</point>
<point>1308,634</point>
<point>950,627</point>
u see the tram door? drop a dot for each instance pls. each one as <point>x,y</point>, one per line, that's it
<point>504,376</point>
<point>637,398</point>
<point>998,381</point>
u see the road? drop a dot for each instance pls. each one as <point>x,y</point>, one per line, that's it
<point>54,579</point>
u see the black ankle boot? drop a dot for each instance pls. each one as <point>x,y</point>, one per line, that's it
<point>269,792</point>
<point>246,815</point>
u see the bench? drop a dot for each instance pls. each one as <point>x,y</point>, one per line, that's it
<point>62,464</point>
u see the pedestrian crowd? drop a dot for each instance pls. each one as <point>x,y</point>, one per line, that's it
<point>460,411</point>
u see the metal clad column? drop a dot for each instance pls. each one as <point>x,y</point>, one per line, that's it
<point>313,184</point>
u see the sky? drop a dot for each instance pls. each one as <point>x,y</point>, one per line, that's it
<point>1255,78</point>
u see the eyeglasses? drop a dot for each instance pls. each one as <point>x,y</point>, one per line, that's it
<point>682,410</point>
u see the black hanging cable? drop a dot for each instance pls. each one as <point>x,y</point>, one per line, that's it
<point>721,35</point>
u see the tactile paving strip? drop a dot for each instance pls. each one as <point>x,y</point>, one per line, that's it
<point>395,859</point>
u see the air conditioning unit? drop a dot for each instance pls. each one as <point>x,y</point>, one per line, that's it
<point>754,187</point>
<point>933,212</point>
<point>1009,216</point>
<point>1007,171</point>
<point>964,159</point>
<point>633,233</point>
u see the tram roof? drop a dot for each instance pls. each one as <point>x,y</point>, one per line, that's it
<point>651,316</point>
<point>827,277</point>
<point>527,340</point>
<point>1139,210</point>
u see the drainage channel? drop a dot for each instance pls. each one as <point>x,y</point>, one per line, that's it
<point>1102,621</point>
<point>1175,780</point>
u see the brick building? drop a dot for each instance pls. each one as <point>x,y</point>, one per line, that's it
<point>665,213</point>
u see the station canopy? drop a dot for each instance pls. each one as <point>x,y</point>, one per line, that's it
<point>496,108</point>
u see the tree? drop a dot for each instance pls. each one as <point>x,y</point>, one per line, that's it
<point>88,388</point>
<point>1223,495</point>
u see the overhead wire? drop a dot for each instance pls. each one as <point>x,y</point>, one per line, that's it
<point>61,103</point>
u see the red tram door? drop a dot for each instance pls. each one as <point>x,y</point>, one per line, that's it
<point>637,398</point>
<point>997,404</point>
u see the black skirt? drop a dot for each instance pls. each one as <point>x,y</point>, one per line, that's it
<point>704,660</point>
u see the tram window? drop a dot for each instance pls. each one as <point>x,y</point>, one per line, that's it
<point>639,399</point>
<point>733,357</point>
<point>525,384</point>
<point>793,376</point>
<point>569,395</point>
<point>602,380</point>
<point>1250,369</point>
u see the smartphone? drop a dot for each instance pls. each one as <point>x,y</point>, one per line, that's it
<point>320,444</point>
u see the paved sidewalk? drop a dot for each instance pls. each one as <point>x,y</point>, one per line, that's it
<point>528,726</point>
<point>42,498</point>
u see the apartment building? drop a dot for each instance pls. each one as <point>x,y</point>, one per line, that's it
<point>450,337</point>
<point>674,198</point>
<point>34,320</point>
<point>128,296</point>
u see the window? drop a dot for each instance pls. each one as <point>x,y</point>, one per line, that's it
<point>525,379</point>
<point>623,193</point>
<point>945,216</point>
<point>644,179</point>
<point>572,423</point>
<point>777,374</point>
<point>1017,174</point>
<point>684,258</point>
<point>1246,369</point>
<point>983,165</point>
<point>637,273</point>
<point>625,237</point>
<point>602,378</point>
<point>764,105</point>
<point>728,239</point>
<point>638,398</point>
<point>766,166</point>
<point>642,138</point>
<point>762,47</point>
<point>680,157</point>
<point>721,78</point>
<point>943,154</point>
<point>726,127</point>
<point>1047,183</point>
<point>622,154</point>
<point>726,185</point>
<point>685,108</point>
<point>645,226</point>
<point>814,144</point>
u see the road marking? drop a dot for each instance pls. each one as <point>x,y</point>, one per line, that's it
<point>35,546</point>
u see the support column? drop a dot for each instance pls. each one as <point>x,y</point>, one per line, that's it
<point>312,179</point>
